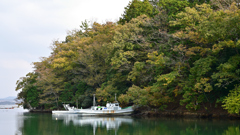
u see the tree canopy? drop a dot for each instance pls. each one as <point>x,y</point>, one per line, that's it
<point>157,53</point>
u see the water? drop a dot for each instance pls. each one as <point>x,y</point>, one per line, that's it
<point>9,119</point>
<point>18,122</point>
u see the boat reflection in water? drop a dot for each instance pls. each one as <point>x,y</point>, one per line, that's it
<point>111,123</point>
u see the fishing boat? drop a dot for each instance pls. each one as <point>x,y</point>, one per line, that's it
<point>110,109</point>
<point>68,110</point>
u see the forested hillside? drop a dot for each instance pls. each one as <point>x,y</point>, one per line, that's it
<point>157,53</point>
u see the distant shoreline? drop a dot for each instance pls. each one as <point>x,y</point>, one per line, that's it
<point>7,103</point>
<point>8,100</point>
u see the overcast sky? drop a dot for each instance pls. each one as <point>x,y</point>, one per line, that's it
<point>28,28</point>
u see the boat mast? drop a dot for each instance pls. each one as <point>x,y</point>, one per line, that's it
<point>94,102</point>
<point>115,97</point>
<point>77,103</point>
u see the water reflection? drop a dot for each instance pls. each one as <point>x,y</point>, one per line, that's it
<point>110,123</point>
<point>45,124</point>
<point>9,119</point>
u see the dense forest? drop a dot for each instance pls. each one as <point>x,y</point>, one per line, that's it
<point>159,51</point>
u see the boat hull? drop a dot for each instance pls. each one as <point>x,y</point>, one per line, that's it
<point>65,112</point>
<point>89,112</point>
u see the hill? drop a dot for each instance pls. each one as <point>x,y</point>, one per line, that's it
<point>8,100</point>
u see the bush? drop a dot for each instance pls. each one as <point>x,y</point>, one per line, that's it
<point>232,102</point>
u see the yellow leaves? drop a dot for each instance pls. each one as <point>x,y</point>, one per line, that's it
<point>106,93</point>
<point>204,8</point>
<point>102,95</point>
<point>167,78</point>
<point>139,20</point>
<point>231,102</point>
<point>204,51</point>
<point>216,48</point>
<point>230,44</point>
<point>180,34</point>
<point>175,91</point>
<point>187,18</point>
<point>59,60</point>
<point>203,25</point>
<point>220,46</point>
<point>121,58</point>
<point>233,7</point>
<point>183,50</point>
<point>129,54</point>
<point>238,44</point>
<point>204,80</point>
<point>138,95</point>
<point>130,31</point>
<point>157,59</point>
<point>179,48</point>
<point>136,71</point>
<point>203,85</point>
<point>123,99</point>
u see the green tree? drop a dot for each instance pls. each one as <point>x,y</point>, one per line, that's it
<point>50,83</point>
<point>29,93</point>
<point>136,8</point>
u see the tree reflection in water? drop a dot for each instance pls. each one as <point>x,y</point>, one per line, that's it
<point>111,123</point>
<point>48,124</point>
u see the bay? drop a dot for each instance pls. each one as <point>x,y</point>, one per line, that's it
<point>19,122</point>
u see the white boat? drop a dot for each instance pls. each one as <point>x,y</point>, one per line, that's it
<point>112,109</point>
<point>68,110</point>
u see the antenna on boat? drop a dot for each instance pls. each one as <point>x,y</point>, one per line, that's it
<point>94,102</point>
<point>115,97</point>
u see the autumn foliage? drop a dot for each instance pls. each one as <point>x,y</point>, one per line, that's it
<point>156,52</point>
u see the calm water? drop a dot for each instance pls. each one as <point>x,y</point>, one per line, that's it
<point>18,122</point>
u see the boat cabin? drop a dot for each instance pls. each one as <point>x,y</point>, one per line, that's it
<point>68,107</point>
<point>109,106</point>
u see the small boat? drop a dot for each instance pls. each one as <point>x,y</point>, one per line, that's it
<point>112,109</point>
<point>68,110</point>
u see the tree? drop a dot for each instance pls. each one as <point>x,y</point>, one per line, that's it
<point>137,8</point>
<point>29,94</point>
<point>50,83</point>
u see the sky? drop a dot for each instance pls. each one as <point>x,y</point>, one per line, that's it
<point>29,27</point>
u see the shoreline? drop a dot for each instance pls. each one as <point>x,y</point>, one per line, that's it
<point>174,110</point>
<point>185,114</point>
<point>40,111</point>
<point>181,111</point>
<point>167,113</point>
